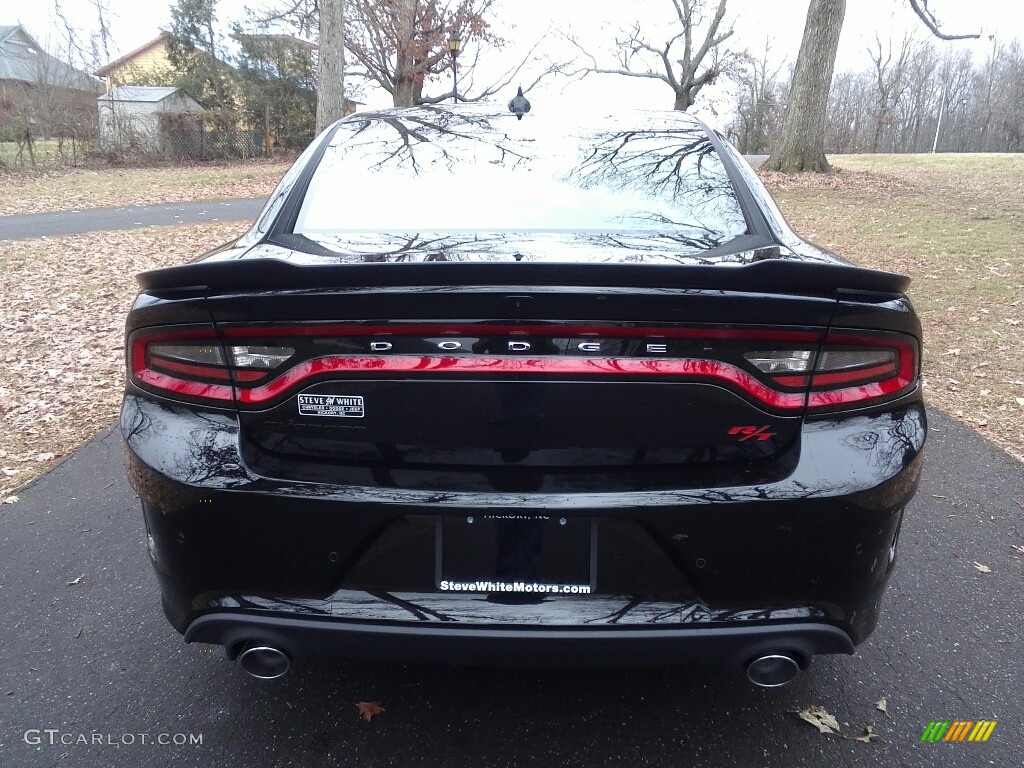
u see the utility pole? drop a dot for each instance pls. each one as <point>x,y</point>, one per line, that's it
<point>938,125</point>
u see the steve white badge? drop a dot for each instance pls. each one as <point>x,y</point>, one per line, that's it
<point>342,406</point>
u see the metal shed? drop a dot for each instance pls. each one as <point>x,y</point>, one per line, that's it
<point>130,116</point>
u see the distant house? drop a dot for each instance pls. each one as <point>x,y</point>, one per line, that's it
<point>37,88</point>
<point>149,64</point>
<point>268,101</point>
<point>129,116</point>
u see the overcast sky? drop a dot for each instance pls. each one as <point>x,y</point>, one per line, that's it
<point>134,22</point>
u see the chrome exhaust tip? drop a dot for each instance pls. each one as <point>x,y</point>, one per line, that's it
<point>264,662</point>
<point>772,671</point>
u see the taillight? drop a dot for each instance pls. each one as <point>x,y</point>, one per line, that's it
<point>194,363</point>
<point>851,367</point>
<point>781,360</point>
<point>781,370</point>
<point>856,368</point>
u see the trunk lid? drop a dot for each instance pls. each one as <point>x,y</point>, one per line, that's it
<point>567,368</point>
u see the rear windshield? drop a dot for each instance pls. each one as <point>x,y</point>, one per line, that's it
<point>655,183</point>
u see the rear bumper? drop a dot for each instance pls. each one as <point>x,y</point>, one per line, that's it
<point>303,639</point>
<point>820,540</point>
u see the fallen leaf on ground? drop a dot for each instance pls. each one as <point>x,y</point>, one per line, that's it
<point>367,709</point>
<point>882,705</point>
<point>76,581</point>
<point>83,284</point>
<point>820,719</point>
<point>11,500</point>
<point>869,734</point>
<point>982,568</point>
<point>1018,547</point>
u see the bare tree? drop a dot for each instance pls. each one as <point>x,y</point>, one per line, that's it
<point>402,44</point>
<point>303,16</point>
<point>956,76</point>
<point>846,118</point>
<point>1010,107</point>
<point>948,101</point>
<point>920,7</point>
<point>759,105</point>
<point>330,92</point>
<point>48,99</point>
<point>890,81</point>
<point>988,81</point>
<point>802,144</point>
<point>684,62</point>
<point>918,100</point>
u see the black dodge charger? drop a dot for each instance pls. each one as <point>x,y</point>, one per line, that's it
<point>485,387</point>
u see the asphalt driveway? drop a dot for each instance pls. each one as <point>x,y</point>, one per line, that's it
<point>87,654</point>
<point>60,223</point>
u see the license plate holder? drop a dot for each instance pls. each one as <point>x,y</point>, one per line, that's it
<point>516,554</point>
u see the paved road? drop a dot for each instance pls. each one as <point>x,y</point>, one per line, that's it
<point>30,225</point>
<point>98,657</point>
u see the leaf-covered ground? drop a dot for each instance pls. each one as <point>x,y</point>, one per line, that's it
<point>71,190</point>
<point>954,224</point>
<point>62,364</point>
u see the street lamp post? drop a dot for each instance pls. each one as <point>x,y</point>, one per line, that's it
<point>453,51</point>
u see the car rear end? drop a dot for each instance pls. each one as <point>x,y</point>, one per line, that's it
<point>526,460</point>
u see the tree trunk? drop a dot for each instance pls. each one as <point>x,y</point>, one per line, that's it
<point>330,91</point>
<point>682,102</point>
<point>801,146</point>
<point>876,140</point>
<point>405,91</point>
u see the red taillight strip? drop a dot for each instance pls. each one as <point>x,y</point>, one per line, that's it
<point>413,364</point>
<point>855,394</point>
<point>208,371</point>
<point>470,330</point>
<point>902,379</point>
<point>902,376</point>
<point>849,377</point>
<point>146,375</point>
<point>182,387</point>
<point>791,381</point>
<point>838,377</point>
<point>190,369</point>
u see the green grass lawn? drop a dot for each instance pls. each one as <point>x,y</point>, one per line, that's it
<point>43,151</point>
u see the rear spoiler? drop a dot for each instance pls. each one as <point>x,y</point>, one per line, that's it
<point>768,275</point>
